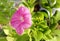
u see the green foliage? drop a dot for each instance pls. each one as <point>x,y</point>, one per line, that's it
<point>3,39</point>
<point>57,4</point>
<point>10,38</point>
<point>25,37</point>
<point>37,35</point>
<point>44,23</point>
<point>30,4</point>
<point>57,16</point>
<point>6,11</point>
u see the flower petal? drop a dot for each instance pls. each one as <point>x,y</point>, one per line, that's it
<point>20,30</point>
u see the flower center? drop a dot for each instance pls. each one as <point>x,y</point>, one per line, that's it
<point>21,19</point>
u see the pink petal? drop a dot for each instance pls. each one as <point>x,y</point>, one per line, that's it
<point>23,10</point>
<point>20,30</point>
<point>26,26</point>
<point>15,24</point>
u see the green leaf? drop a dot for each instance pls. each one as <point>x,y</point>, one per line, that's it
<point>39,16</point>
<point>3,20</point>
<point>37,35</point>
<point>57,32</point>
<point>5,11</point>
<point>57,16</point>
<point>45,37</point>
<point>48,31</point>
<point>51,2</point>
<point>10,38</point>
<point>57,4</point>
<point>53,39</point>
<point>53,23</point>
<point>3,39</point>
<point>32,2</point>
<point>24,37</point>
<point>44,3</point>
<point>58,38</point>
<point>25,3</point>
<point>2,33</point>
<point>8,30</point>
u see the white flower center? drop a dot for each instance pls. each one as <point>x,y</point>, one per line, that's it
<point>21,19</point>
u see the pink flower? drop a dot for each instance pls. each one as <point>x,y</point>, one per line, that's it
<point>21,20</point>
